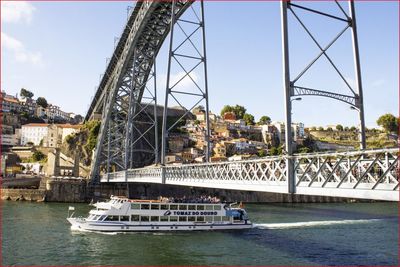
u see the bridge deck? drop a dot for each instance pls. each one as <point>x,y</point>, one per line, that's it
<point>370,174</point>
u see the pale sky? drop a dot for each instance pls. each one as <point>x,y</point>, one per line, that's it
<point>58,50</point>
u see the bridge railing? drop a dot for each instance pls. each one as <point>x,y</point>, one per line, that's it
<point>371,174</point>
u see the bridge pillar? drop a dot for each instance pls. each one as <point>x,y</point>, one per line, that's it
<point>360,102</point>
<point>288,89</point>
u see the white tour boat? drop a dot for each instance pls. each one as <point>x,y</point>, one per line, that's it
<point>124,215</point>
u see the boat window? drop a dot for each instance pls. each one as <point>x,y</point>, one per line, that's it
<point>124,218</point>
<point>200,207</point>
<point>209,207</point>
<point>192,207</point>
<point>225,218</point>
<point>209,218</point>
<point>144,218</point>
<point>164,218</point>
<point>182,207</point>
<point>217,207</point>
<point>155,206</point>
<point>173,218</point>
<point>112,218</point>
<point>154,218</point>
<point>182,218</point>
<point>102,217</point>
<point>164,206</point>
<point>135,218</point>
<point>217,218</point>
<point>145,206</point>
<point>135,206</point>
<point>200,218</point>
<point>173,207</point>
<point>191,218</point>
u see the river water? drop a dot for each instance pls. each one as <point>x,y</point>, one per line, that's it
<point>284,234</point>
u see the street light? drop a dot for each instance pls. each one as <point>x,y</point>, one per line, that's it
<point>354,108</point>
<point>296,99</point>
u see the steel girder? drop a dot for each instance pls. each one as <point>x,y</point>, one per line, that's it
<point>178,57</point>
<point>123,86</point>
<point>291,84</point>
<point>370,174</point>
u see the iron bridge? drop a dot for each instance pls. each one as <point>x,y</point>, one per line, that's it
<point>126,104</point>
<point>370,174</point>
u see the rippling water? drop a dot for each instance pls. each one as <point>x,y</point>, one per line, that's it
<point>284,234</point>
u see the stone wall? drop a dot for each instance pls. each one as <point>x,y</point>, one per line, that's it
<point>76,190</point>
<point>153,191</point>
<point>66,190</point>
<point>23,194</point>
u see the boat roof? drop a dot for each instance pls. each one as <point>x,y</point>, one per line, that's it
<point>156,201</point>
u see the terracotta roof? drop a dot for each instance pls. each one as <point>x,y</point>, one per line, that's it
<point>36,125</point>
<point>76,126</point>
<point>11,100</point>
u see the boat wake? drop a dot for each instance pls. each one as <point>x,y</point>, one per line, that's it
<point>308,224</point>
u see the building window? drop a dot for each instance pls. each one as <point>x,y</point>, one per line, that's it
<point>112,218</point>
<point>135,206</point>
<point>155,206</point>
<point>144,218</point>
<point>183,218</point>
<point>124,218</point>
<point>173,218</point>
<point>135,218</point>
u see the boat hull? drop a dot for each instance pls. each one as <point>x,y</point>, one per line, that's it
<point>82,225</point>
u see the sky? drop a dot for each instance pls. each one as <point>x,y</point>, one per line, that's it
<point>58,50</point>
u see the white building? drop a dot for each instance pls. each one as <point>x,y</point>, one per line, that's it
<point>53,135</point>
<point>297,130</point>
<point>68,129</point>
<point>34,132</point>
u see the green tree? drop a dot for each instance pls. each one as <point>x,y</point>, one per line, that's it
<point>225,109</point>
<point>41,101</point>
<point>313,128</point>
<point>388,122</point>
<point>261,153</point>
<point>264,120</point>
<point>346,129</point>
<point>249,119</point>
<point>320,129</point>
<point>329,129</point>
<point>38,156</point>
<point>273,151</point>
<point>353,129</point>
<point>93,131</point>
<point>239,111</point>
<point>339,127</point>
<point>25,93</point>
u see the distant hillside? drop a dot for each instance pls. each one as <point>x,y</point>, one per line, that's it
<point>342,139</point>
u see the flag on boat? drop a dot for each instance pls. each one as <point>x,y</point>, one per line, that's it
<point>71,208</point>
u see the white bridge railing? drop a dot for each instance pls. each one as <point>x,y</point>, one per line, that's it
<point>370,174</point>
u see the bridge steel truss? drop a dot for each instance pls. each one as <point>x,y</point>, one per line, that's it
<point>128,130</point>
<point>292,90</point>
<point>369,174</point>
<point>179,56</point>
